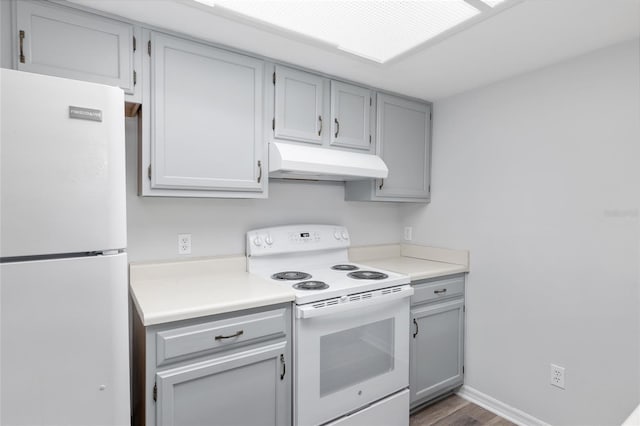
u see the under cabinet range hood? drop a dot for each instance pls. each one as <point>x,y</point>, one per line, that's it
<point>295,161</point>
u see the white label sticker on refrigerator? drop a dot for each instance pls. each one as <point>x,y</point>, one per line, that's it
<point>85,113</point>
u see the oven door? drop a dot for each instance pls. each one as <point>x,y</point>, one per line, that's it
<point>350,356</point>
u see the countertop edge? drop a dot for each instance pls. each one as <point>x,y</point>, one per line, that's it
<point>199,312</point>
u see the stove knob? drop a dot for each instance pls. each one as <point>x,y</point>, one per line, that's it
<point>337,235</point>
<point>345,236</point>
<point>257,241</point>
<point>268,240</point>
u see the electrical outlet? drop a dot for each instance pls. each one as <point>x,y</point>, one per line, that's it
<point>408,233</point>
<point>184,243</point>
<point>557,376</point>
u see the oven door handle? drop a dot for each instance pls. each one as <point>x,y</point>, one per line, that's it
<point>318,309</point>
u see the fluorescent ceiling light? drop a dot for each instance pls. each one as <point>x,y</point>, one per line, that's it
<point>377,30</point>
<point>492,3</point>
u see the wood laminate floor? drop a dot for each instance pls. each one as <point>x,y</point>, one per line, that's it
<point>455,411</point>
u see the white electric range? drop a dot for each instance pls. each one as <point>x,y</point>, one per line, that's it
<point>351,322</point>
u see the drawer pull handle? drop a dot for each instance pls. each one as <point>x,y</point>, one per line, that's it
<point>417,329</point>
<point>320,121</point>
<point>284,367</point>
<point>337,127</point>
<point>236,334</point>
<point>381,184</point>
<point>444,290</point>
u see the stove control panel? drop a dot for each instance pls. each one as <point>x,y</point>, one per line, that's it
<point>296,238</point>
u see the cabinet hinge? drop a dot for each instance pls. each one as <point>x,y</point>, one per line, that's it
<point>149,47</point>
<point>135,77</point>
<point>149,172</point>
<point>155,392</point>
<point>273,124</point>
<point>274,77</point>
<point>134,43</point>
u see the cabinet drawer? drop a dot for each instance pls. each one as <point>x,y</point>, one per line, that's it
<point>216,335</point>
<point>433,290</point>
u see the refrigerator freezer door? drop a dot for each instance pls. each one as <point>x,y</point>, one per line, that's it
<point>62,172</point>
<point>64,342</point>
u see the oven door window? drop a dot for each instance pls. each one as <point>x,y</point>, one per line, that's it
<point>355,355</point>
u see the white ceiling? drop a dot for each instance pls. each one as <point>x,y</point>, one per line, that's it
<point>529,35</point>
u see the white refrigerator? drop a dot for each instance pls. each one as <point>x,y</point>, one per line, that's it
<point>64,348</point>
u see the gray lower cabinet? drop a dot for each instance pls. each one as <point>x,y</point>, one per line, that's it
<point>403,132</point>
<point>437,338</point>
<point>66,42</point>
<point>232,369</point>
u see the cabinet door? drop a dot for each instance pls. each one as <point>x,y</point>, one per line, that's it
<point>244,389</point>
<point>206,117</point>
<point>436,349</point>
<point>404,139</point>
<point>68,43</point>
<point>298,106</point>
<point>350,112</point>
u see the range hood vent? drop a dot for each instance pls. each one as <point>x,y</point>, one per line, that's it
<point>295,161</point>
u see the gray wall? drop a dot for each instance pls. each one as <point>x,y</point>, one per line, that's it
<point>539,176</point>
<point>218,226</point>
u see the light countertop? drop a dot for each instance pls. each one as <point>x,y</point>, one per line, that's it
<point>419,262</point>
<point>172,291</point>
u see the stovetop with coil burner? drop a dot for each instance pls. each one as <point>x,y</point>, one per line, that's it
<point>326,281</point>
<point>313,261</point>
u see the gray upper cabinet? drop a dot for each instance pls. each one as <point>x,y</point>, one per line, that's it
<point>350,116</point>
<point>403,132</point>
<point>206,120</point>
<point>403,129</point>
<point>66,42</point>
<point>299,101</point>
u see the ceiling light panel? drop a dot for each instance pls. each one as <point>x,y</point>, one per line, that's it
<point>492,3</point>
<point>376,30</point>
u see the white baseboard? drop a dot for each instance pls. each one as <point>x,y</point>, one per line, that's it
<point>508,412</point>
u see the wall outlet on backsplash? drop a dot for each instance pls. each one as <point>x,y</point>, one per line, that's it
<point>557,376</point>
<point>408,233</point>
<point>184,243</point>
